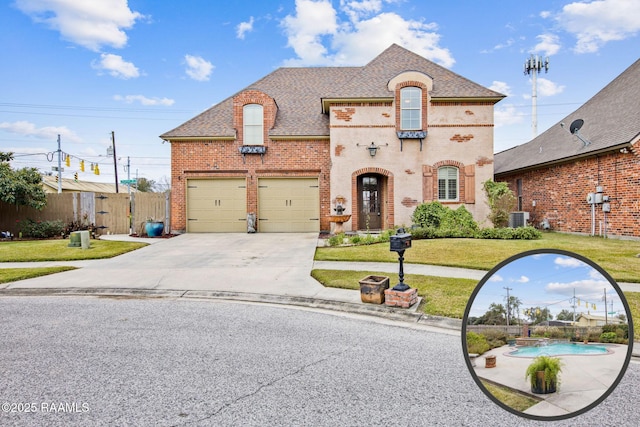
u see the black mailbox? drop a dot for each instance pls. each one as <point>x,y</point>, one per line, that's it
<point>400,241</point>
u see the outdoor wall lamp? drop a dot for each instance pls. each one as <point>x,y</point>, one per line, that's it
<point>373,148</point>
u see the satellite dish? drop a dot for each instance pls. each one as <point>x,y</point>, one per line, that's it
<point>576,125</point>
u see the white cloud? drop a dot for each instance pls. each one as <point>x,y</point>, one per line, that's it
<point>91,24</point>
<point>316,28</point>
<point>522,279</point>
<point>507,114</point>
<point>198,68</point>
<point>496,278</point>
<point>48,132</point>
<point>596,23</point>
<point>501,87</point>
<point>549,44</point>
<point>244,27</point>
<point>313,20</point>
<point>116,66</point>
<point>130,99</point>
<point>548,88</point>
<point>585,289</point>
<point>569,262</point>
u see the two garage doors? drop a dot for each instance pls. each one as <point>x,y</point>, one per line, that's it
<point>285,205</point>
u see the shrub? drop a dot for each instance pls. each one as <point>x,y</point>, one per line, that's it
<point>608,337</point>
<point>355,239</point>
<point>495,337</point>
<point>476,343</point>
<point>429,214</point>
<point>40,229</point>
<point>458,223</point>
<point>501,201</point>
<point>336,240</point>
<point>520,233</point>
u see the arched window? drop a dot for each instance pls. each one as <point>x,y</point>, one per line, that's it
<point>252,119</point>
<point>448,183</point>
<point>411,108</point>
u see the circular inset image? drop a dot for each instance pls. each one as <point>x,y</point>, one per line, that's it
<point>547,334</point>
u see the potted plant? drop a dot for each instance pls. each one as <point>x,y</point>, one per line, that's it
<point>154,228</point>
<point>543,374</point>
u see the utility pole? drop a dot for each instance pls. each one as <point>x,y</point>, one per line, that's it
<point>508,303</point>
<point>606,317</point>
<point>533,66</point>
<point>115,163</point>
<point>59,166</point>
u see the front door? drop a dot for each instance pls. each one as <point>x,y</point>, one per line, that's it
<point>369,217</point>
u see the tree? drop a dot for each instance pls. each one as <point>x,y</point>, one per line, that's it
<point>495,315</point>
<point>501,201</point>
<point>22,187</point>
<point>146,185</point>
<point>513,306</point>
<point>565,315</point>
<point>537,314</point>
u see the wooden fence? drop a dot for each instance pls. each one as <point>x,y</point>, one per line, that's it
<point>109,212</point>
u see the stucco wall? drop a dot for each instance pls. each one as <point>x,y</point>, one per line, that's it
<point>458,134</point>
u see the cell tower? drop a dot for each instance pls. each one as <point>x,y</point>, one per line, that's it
<point>533,66</point>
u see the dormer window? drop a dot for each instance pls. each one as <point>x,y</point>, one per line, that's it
<point>253,124</point>
<point>411,108</point>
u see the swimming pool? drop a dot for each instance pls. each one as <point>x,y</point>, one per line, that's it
<point>559,349</point>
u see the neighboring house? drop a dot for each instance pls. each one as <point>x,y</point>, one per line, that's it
<point>50,185</point>
<point>564,180</point>
<point>378,139</point>
<point>591,320</point>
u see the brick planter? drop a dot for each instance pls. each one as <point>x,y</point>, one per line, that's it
<point>490,362</point>
<point>404,299</point>
<point>372,289</point>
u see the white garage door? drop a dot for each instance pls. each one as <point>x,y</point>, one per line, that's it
<point>216,205</point>
<point>288,205</point>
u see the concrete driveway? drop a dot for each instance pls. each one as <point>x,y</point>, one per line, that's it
<point>277,264</point>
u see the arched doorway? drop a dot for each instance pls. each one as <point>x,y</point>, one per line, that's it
<point>370,201</point>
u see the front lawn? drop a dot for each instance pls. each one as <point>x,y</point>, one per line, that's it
<point>58,250</point>
<point>445,296</point>
<point>13,274</point>
<point>618,257</point>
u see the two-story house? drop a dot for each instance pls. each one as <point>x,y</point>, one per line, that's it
<point>377,140</point>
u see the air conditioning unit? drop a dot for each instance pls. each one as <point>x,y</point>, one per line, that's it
<point>518,219</point>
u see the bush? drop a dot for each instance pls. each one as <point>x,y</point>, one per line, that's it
<point>40,229</point>
<point>429,214</point>
<point>520,233</point>
<point>458,223</point>
<point>476,343</point>
<point>608,337</point>
<point>495,337</point>
<point>336,240</point>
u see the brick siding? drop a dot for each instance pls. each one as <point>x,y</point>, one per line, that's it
<point>560,193</point>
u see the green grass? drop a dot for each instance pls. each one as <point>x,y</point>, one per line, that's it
<point>617,257</point>
<point>13,274</point>
<point>445,296</point>
<point>58,250</point>
<point>514,400</point>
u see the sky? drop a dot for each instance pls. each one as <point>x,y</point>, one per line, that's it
<point>139,68</point>
<point>548,280</point>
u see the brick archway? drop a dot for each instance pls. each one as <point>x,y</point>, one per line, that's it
<point>387,193</point>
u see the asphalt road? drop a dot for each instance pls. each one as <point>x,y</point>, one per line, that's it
<point>166,362</point>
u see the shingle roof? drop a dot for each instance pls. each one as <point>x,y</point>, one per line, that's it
<point>610,120</point>
<point>298,92</point>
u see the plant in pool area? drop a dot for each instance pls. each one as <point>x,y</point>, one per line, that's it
<point>550,367</point>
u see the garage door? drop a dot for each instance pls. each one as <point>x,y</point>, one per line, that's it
<point>216,205</point>
<point>288,205</point>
